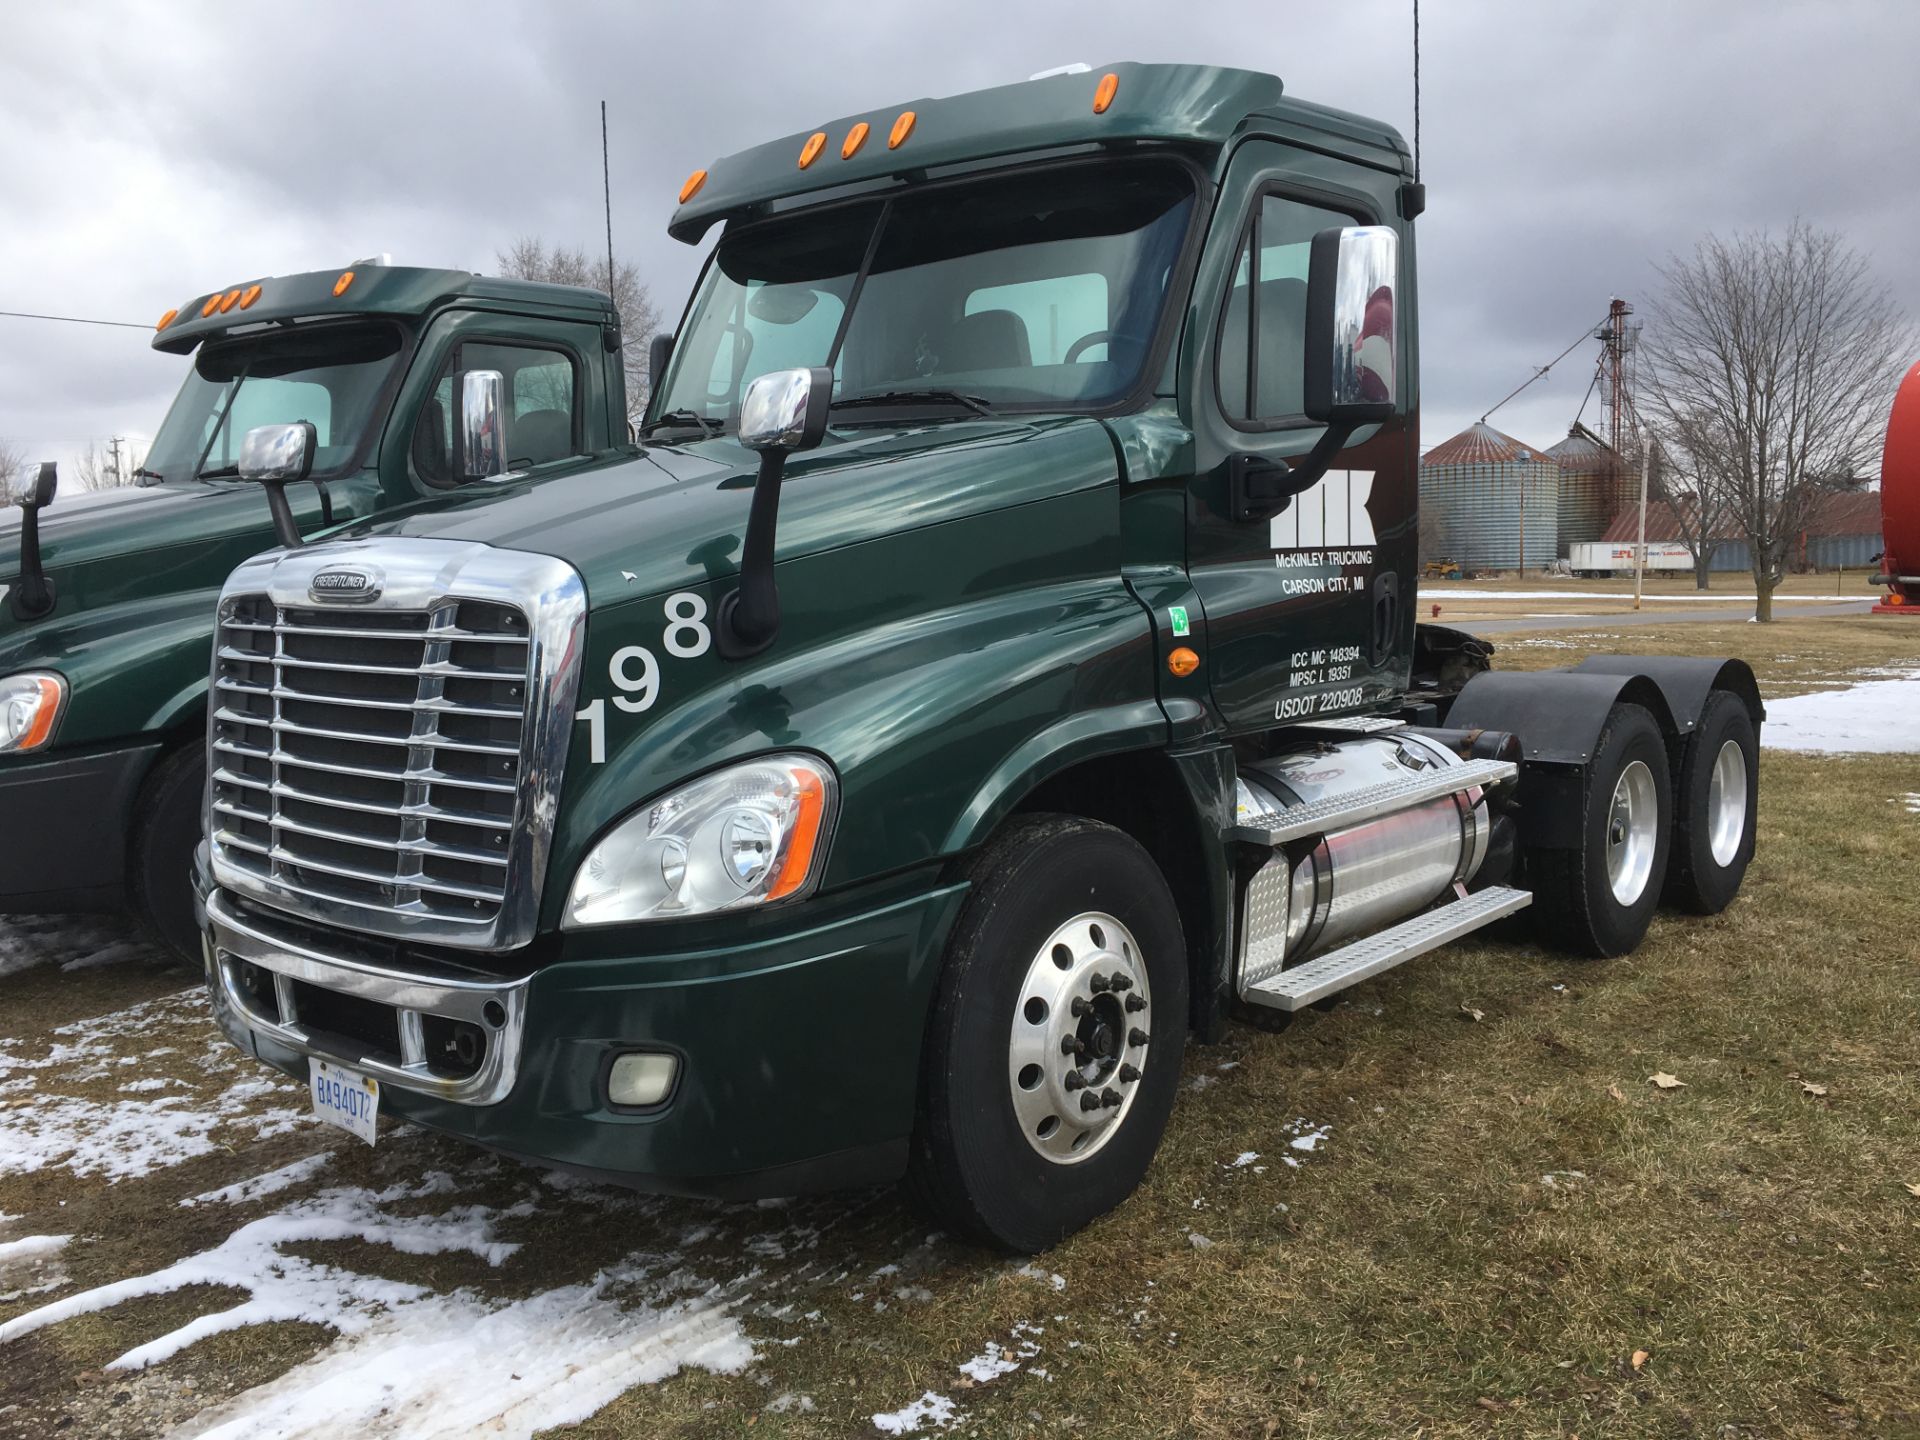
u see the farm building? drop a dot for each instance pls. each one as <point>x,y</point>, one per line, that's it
<point>1593,485</point>
<point>1493,501</point>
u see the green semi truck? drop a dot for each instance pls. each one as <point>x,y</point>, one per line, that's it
<point>107,599</point>
<point>999,667</point>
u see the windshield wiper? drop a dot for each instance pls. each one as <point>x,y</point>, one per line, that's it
<point>681,418</point>
<point>916,397</point>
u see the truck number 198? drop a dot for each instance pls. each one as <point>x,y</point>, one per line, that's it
<point>634,671</point>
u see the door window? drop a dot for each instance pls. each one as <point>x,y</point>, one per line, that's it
<point>540,388</point>
<point>1263,339</point>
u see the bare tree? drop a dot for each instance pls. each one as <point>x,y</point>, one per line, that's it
<point>530,258</point>
<point>13,460</point>
<point>1768,371</point>
<point>1697,493</point>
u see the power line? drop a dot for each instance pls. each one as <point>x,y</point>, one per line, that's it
<point>72,319</point>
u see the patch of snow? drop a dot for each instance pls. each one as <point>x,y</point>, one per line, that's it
<point>1306,1135</point>
<point>1872,717</point>
<point>1558,1179</point>
<point>989,1364</point>
<point>1692,597</point>
<point>1245,1158</point>
<point>1198,1241</point>
<point>31,1247</point>
<point>930,1409</point>
<point>1911,801</point>
<point>798,1404</point>
<point>72,943</point>
<point>259,1186</point>
<point>1032,1271</point>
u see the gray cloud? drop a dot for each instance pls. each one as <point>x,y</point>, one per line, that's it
<point>151,152</point>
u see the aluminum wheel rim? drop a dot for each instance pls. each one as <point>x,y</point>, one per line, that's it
<point>1727,803</point>
<point>1080,1029</point>
<point>1633,825</point>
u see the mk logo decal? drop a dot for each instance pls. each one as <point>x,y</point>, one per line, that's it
<point>1332,514</point>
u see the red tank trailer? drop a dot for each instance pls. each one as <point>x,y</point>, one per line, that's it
<point>1900,503</point>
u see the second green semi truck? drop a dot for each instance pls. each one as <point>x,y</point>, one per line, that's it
<point>107,599</point>
<point>1000,666</point>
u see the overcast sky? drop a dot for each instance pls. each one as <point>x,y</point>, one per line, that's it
<point>150,153</point>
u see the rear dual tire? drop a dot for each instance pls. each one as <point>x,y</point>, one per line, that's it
<point>1714,808</point>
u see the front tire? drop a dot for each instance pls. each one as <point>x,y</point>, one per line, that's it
<point>1714,808</point>
<point>1599,898</point>
<point>1065,982</point>
<point>166,828</point>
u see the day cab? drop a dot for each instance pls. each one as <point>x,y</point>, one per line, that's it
<point>107,599</point>
<point>999,664</point>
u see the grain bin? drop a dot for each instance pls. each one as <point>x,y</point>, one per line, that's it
<point>1486,494</point>
<point>1591,491</point>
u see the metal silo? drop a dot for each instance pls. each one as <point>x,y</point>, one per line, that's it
<point>1590,488</point>
<point>1486,495</point>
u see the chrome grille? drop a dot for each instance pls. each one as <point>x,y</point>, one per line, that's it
<point>387,767</point>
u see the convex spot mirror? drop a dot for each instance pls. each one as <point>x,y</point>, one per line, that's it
<point>35,493</point>
<point>786,409</point>
<point>483,439</point>
<point>1352,340</point>
<point>277,453</point>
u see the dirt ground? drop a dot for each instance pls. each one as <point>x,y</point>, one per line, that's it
<point>1454,1203</point>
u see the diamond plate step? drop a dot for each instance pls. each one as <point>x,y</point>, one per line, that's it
<point>1337,969</point>
<point>1275,827</point>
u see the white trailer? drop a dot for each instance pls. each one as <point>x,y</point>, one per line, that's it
<point>1605,557</point>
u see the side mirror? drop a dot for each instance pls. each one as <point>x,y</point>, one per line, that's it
<point>33,595</point>
<point>483,437</point>
<point>34,494</point>
<point>274,455</point>
<point>659,351</point>
<point>1352,341</point>
<point>786,410</point>
<point>780,413</point>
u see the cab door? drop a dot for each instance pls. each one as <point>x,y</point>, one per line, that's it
<point>1308,610</point>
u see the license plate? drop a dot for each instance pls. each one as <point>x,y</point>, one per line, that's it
<point>344,1097</point>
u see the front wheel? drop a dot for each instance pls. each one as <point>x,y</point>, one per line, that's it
<point>166,828</point>
<point>1599,898</point>
<point>1054,1045</point>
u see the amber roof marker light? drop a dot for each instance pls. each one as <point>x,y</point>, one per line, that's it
<point>166,319</point>
<point>340,285</point>
<point>902,128</point>
<point>213,304</point>
<point>1104,93</point>
<point>253,294</point>
<point>231,299</point>
<point>856,137</point>
<point>809,152</point>
<point>692,186</point>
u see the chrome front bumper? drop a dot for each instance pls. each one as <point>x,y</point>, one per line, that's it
<point>414,1002</point>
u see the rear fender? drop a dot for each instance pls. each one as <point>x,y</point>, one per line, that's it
<point>1558,716</point>
<point>1685,681</point>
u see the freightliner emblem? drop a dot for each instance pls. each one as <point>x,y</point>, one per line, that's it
<point>352,587</point>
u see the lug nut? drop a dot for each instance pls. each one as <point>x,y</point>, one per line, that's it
<point>1097,984</point>
<point>1089,1101</point>
<point>1128,1074</point>
<point>1109,1098</point>
<point>1075,1080</point>
<point>1079,1007</point>
<point>1135,1004</point>
<point>1136,1036</point>
<point>1120,981</point>
<point>1072,1045</point>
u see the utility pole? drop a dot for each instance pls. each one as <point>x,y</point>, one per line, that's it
<point>1640,547</point>
<point>114,445</point>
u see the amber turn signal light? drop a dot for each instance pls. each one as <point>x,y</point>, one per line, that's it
<point>902,128</point>
<point>1182,661</point>
<point>1103,94</point>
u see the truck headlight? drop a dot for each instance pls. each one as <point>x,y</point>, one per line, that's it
<point>29,704</point>
<point>747,835</point>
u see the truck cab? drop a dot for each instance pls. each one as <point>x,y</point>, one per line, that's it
<point>999,667</point>
<point>107,599</point>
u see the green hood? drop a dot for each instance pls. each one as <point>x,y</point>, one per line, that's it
<point>677,515</point>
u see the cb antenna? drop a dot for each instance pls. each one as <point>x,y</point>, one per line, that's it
<point>606,184</point>
<point>1416,92</point>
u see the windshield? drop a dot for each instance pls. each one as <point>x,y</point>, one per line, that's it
<point>331,376</point>
<point>1038,291</point>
